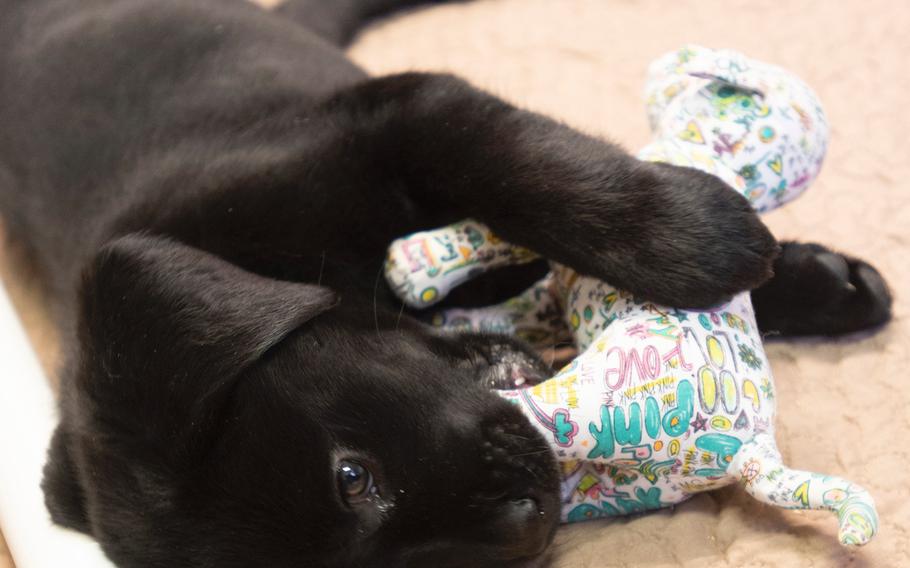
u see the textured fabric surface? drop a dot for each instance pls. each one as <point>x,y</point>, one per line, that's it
<point>842,406</point>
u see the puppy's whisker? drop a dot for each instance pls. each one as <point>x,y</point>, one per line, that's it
<point>400,313</point>
<point>537,453</point>
<point>552,353</point>
<point>553,350</point>
<point>511,435</point>
<point>375,299</point>
<point>491,496</point>
<point>321,269</point>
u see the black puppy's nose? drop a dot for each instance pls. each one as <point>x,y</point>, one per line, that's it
<point>524,527</point>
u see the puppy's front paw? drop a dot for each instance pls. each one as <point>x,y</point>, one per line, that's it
<point>686,240</point>
<point>816,291</point>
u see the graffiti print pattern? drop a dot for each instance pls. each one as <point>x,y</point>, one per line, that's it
<point>754,125</point>
<point>423,267</point>
<point>656,407</point>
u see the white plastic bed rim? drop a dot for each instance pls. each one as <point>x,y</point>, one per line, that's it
<point>27,419</point>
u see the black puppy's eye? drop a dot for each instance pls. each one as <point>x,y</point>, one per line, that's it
<point>355,482</point>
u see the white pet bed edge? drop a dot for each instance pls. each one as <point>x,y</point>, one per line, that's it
<point>27,419</point>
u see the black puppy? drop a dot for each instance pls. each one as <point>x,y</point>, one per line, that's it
<point>209,189</point>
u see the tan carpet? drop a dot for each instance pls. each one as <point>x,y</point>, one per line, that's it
<point>5,560</point>
<point>843,406</point>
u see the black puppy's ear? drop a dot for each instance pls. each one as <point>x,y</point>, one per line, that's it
<point>166,330</point>
<point>63,495</point>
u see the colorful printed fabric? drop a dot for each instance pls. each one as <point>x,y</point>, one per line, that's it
<point>658,403</point>
<point>662,403</point>
<point>754,125</point>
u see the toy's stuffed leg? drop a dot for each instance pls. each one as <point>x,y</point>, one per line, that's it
<point>758,467</point>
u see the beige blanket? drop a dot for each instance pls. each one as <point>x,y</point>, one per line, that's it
<point>844,407</point>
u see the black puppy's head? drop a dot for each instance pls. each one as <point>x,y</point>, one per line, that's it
<point>218,418</point>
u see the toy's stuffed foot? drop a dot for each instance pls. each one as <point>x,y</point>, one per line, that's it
<point>757,465</point>
<point>815,291</point>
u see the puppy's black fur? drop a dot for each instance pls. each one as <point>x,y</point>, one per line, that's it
<point>209,189</point>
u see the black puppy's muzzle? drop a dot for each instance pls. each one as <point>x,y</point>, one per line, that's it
<point>522,504</point>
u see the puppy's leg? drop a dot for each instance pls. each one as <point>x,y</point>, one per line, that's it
<point>673,235</point>
<point>398,154</point>
<point>337,21</point>
<point>815,291</point>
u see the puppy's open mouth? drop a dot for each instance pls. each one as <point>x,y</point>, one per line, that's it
<point>509,368</point>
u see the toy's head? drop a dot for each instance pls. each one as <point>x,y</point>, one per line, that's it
<point>756,126</point>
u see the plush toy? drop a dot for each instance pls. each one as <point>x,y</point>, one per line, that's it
<point>661,403</point>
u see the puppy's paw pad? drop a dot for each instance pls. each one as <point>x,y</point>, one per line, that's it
<point>852,285</point>
<point>871,294</point>
<point>836,267</point>
<point>821,292</point>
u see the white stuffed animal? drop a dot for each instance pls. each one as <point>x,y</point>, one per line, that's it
<point>661,403</point>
